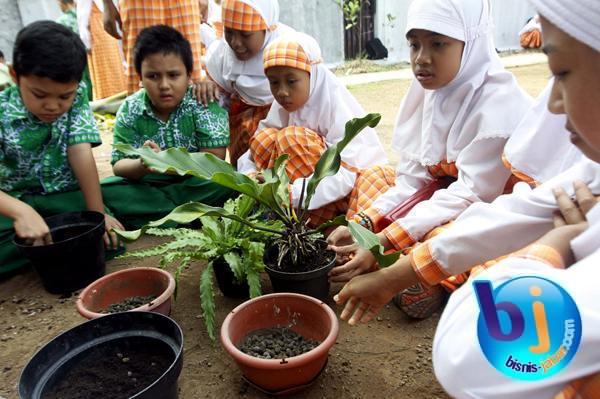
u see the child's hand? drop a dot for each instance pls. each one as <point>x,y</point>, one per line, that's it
<point>206,91</point>
<point>153,146</point>
<point>364,296</point>
<point>353,260</point>
<point>573,212</point>
<point>340,236</point>
<point>111,240</point>
<point>31,227</point>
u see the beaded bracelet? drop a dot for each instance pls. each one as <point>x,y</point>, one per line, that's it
<point>364,220</point>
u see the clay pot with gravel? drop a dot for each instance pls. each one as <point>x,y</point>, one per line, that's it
<point>273,330</point>
<point>136,289</point>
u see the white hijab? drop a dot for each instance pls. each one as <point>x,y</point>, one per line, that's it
<point>84,12</point>
<point>539,134</point>
<point>435,125</point>
<point>579,18</point>
<point>330,105</point>
<point>246,78</point>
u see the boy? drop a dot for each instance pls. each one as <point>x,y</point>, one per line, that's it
<point>162,115</point>
<point>46,133</point>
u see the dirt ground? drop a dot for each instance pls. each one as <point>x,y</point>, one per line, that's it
<point>390,357</point>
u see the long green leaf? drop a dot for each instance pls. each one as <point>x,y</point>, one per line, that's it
<point>369,240</point>
<point>235,264</point>
<point>330,161</point>
<point>207,300</point>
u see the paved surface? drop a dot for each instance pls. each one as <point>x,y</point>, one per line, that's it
<point>509,61</point>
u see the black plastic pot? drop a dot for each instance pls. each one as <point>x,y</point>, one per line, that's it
<point>314,283</point>
<point>227,282</point>
<point>137,332</point>
<point>76,257</point>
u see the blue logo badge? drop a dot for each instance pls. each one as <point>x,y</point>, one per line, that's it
<point>529,328</point>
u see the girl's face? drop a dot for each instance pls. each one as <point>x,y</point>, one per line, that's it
<point>245,44</point>
<point>576,90</point>
<point>435,58</point>
<point>290,86</point>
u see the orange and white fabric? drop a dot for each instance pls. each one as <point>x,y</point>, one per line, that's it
<point>530,36</point>
<point>489,230</point>
<point>245,79</point>
<point>463,123</point>
<point>183,15</point>
<point>239,15</point>
<point>330,105</point>
<point>539,134</point>
<point>456,349</point>
<point>105,57</point>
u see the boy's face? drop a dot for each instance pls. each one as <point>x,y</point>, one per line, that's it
<point>45,98</point>
<point>166,80</point>
<point>576,90</point>
<point>244,44</point>
<point>435,58</point>
<point>290,86</point>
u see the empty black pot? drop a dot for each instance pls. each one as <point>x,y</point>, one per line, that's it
<point>314,283</point>
<point>227,282</point>
<point>76,257</point>
<point>77,359</point>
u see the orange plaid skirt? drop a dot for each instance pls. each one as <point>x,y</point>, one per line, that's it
<point>243,122</point>
<point>105,62</point>
<point>183,15</point>
<point>304,148</point>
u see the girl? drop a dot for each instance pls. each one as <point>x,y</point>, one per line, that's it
<point>105,57</point>
<point>572,41</point>
<point>453,122</point>
<point>235,65</point>
<point>310,113</point>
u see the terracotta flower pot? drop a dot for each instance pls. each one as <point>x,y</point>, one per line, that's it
<point>305,315</point>
<point>115,287</point>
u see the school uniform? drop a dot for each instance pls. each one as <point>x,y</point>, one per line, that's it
<point>33,162</point>
<point>191,126</point>
<point>456,349</point>
<point>248,95</point>
<point>307,132</point>
<point>459,130</point>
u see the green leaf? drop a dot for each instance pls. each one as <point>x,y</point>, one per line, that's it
<point>339,220</point>
<point>187,213</point>
<point>330,161</point>
<point>207,300</point>
<point>369,240</point>
<point>235,263</point>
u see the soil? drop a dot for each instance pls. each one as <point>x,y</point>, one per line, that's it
<point>276,343</point>
<point>129,303</point>
<point>391,356</point>
<point>313,260</point>
<point>116,369</point>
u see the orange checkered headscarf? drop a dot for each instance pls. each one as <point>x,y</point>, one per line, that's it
<point>286,53</point>
<point>240,15</point>
<point>329,106</point>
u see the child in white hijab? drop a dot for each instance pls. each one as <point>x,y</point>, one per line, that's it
<point>310,112</point>
<point>571,31</point>
<point>455,120</point>
<point>234,63</point>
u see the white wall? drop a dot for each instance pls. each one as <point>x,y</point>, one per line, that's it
<point>322,19</point>
<point>509,16</point>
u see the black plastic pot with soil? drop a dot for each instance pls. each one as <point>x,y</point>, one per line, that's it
<point>306,276</point>
<point>76,256</point>
<point>228,284</point>
<point>123,355</point>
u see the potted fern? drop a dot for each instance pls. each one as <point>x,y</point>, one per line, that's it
<point>293,245</point>
<point>233,250</point>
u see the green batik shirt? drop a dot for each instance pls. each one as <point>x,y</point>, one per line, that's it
<point>33,154</point>
<point>191,125</point>
<point>69,19</point>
